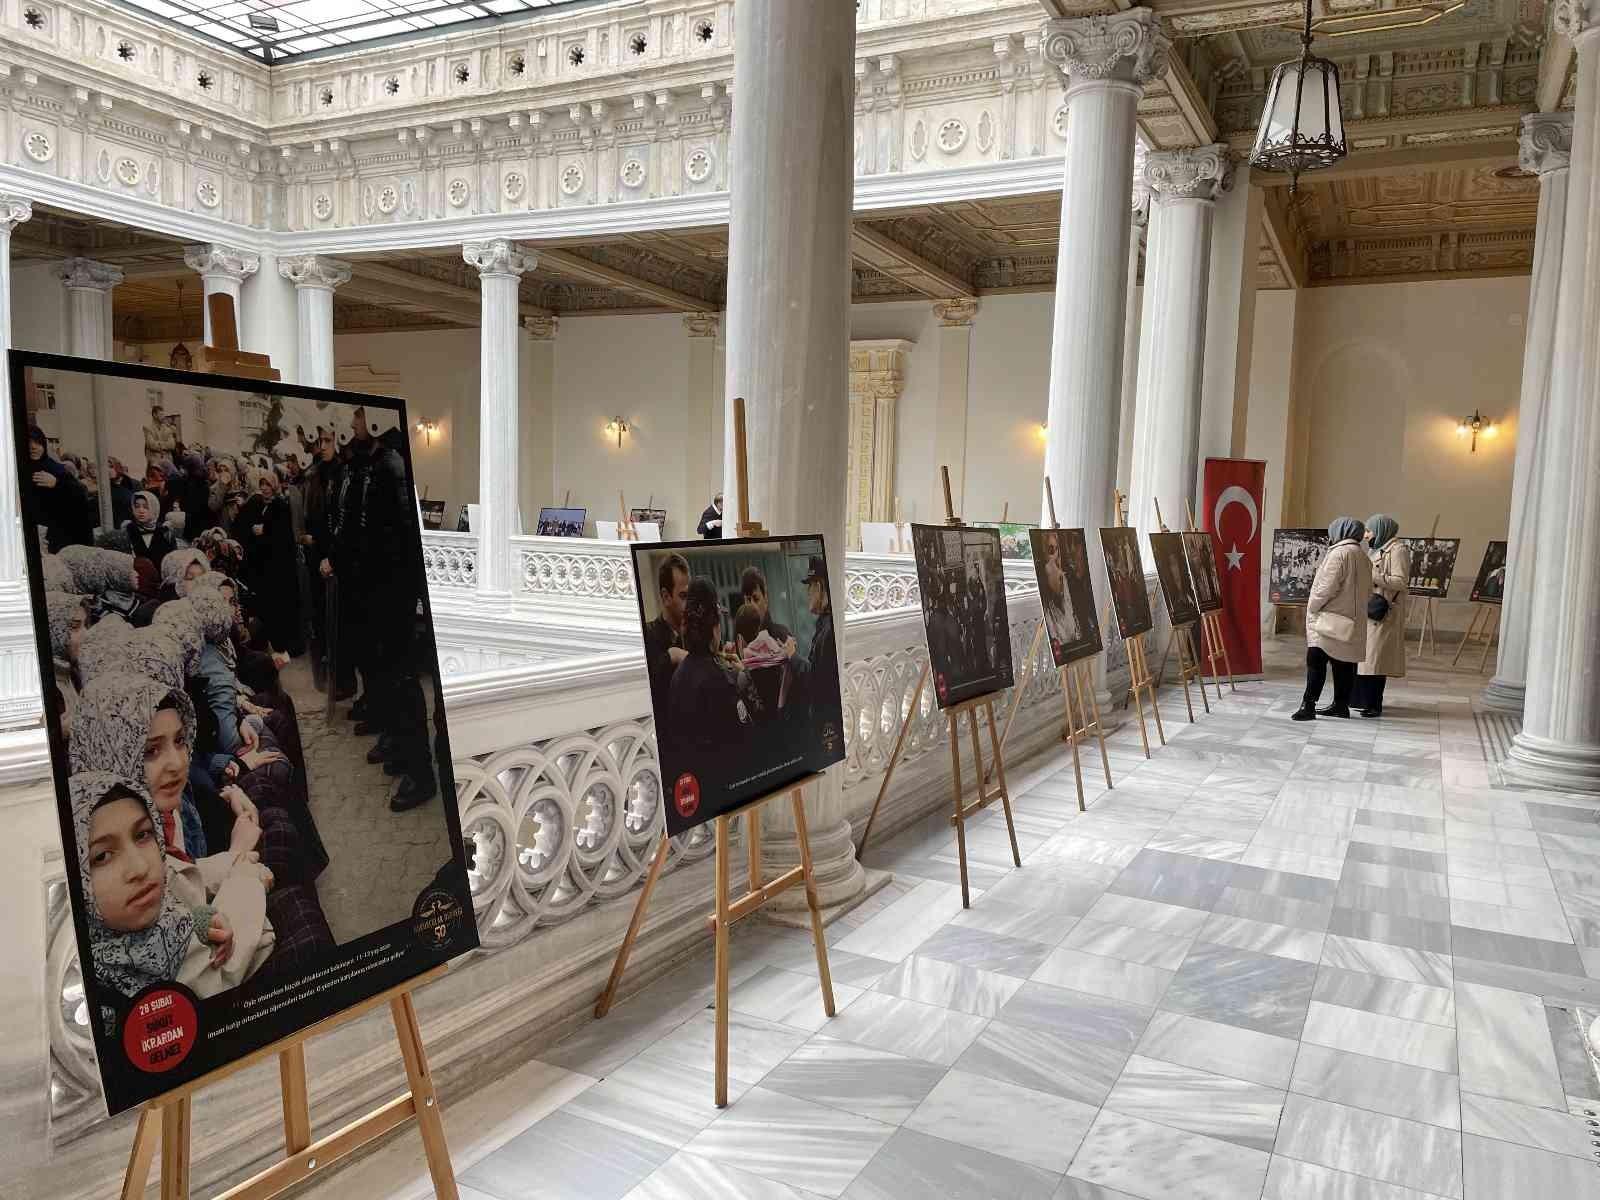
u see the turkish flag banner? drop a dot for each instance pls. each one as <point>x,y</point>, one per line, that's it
<point>1232,514</point>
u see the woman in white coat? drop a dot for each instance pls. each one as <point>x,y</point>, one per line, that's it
<point>1336,620</point>
<point>1386,637</point>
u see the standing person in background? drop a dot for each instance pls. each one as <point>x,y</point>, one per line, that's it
<point>148,537</point>
<point>121,492</point>
<point>1336,620</point>
<point>52,499</point>
<point>322,491</point>
<point>711,520</point>
<point>1386,634</point>
<point>160,438</point>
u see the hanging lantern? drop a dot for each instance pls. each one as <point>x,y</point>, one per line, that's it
<point>180,359</point>
<point>1302,127</point>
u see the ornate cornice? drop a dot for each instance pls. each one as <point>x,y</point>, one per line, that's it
<point>1546,142</point>
<point>14,210</point>
<point>701,325</point>
<point>88,275</point>
<point>957,312</point>
<point>501,256</point>
<point>541,329</point>
<point>227,261</point>
<point>314,271</point>
<point>1130,46</point>
<point>1188,174</point>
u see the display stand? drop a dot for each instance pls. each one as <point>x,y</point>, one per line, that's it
<point>1428,629</point>
<point>1212,643</point>
<point>1484,626</point>
<point>1188,653</point>
<point>728,910</point>
<point>626,532</point>
<point>1138,662</point>
<point>222,355</point>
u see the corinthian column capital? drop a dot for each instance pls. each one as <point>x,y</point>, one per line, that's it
<point>88,275</point>
<point>499,257</point>
<point>227,261</point>
<point>313,271</point>
<point>1546,142</point>
<point>701,325</point>
<point>1197,174</point>
<point>14,210</point>
<point>1574,18</point>
<point>1129,46</point>
<point>962,310</point>
<point>542,329</point>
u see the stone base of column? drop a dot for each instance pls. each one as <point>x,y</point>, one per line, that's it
<point>1503,696</point>
<point>1546,763</point>
<point>841,880</point>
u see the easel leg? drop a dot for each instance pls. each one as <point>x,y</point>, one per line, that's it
<point>296,1108</point>
<point>1199,670</point>
<point>894,757</point>
<point>1072,732</point>
<point>1181,637</point>
<point>175,1149</point>
<point>639,908</point>
<point>1020,687</point>
<point>1136,665</point>
<point>1227,662</point>
<point>145,1140</point>
<point>1472,628</point>
<point>1490,628</point>
<point>961,829</point>
<point>430,1124</point>
<point>752,841</point>
<point>998,769</point>
<point>1155,705</point>
<point>722,963</point>
<point>1086,690</point>
<point>803,836</point>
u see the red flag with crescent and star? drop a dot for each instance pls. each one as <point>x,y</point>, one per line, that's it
<point>1232,516</point>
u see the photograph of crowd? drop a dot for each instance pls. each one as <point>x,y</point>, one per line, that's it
<point>1296,554</point>
<point>1202,558</point>
<point>964,607</point>
<point>1433,564</point>
<point>1066,593</point>
<point>1490,585</point>
<point>653,516</point>
<point>243,701</point>
<point>561,522</point>
<point>1014,539</point>
<point>1125,573</point>
<point>1172,569</point>
<point>743,657</point>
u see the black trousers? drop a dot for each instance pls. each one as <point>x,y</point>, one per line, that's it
<point>1369,691</point>
<point>1344,678</point>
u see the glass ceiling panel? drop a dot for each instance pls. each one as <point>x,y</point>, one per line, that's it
<point>304,25</point>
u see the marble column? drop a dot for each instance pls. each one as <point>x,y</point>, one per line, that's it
<point>19,667</point>
<point>1105,63</point>
<point>701,456</point>
<point>1230,323</point>
<point>1559,746</point>
<point>950,417</point>
<point>1183,186</point>
<point>500,266</point>
<point>1130,326</point>
<point>788,331</point>
<point>89,286</point>
<point>222,269</point>
<point>536,424</point>
<point>1546,150</point>
<point>314,280</point>
<point>269,320</point>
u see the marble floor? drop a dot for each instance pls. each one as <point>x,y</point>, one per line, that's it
<point>1332,961</point>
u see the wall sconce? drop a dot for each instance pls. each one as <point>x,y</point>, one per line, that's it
<point>1044,430</point>
<point>1475,425</point>
<point>618,426</point>
<point>427,428</point>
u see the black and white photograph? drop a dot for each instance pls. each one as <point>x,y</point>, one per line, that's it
<point>1433,564</point>
<point>1066,594</point>
<point>654,516</point>
<point>1490,585</point>
<point>964,607</point>
<point>243,703</point>
<point>1125,572</point>
<point>743,658</point>
<point>1296,554</point>
<point>1172,570</point>
<point>561,522</point>
<point>1202,556</point>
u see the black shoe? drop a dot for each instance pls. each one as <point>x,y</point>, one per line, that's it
<point>1304,713</point>
<point>414,790</point>
<point>344,693</point>
<point>379,753</point>
<point>1333,710</point>
<point>368,728</point>
<point>358,710</point>
<point>1372,710</point>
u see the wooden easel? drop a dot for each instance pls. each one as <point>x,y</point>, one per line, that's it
<point>728,910</point>
<point>1428,628</point>
<point>1138,662</point>
<point>166,1122</point>
<point>626,530</point>
<point>1211,632</point>
<point>222,353</point>
<point>1184,637</point>
<point>1484,625</point>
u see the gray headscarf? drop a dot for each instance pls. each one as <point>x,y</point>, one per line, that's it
<point>56,577</point>
<point>1383,528</point>
<point>95,571</point>
<point>102,647</point>
<point>178,619</point>
<point>60,608</point>
<point>129,961</point>
<point>113,723</point>
<point>1345,529</point>
<point>175,562</point>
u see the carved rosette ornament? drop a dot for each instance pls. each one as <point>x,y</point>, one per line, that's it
<point>14,210</point>
<point>1546,142</point>
<point>1197,174</point>
<point>225,261</point>
<point>314,271</point>
<point>957,312</point>
<point>1129,46</point>
<point>700,325</point>
<point>87,275</point>
<point>499,257</point>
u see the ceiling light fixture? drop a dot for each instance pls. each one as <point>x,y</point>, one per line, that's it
<point>1302,127</point>
<point>180,359</point>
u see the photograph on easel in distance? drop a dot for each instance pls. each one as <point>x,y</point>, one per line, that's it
<point>1172,570</point>
<point>1014,539</point>
<point>1066,594</point>
<point>1433,565</point>
<point>241,863</point>
<point>1202,558</point>
<point>963,589</point>
<point>1125,573</point>
<point>561,522</point>
<point>743,659</point>
<point>1296,555</point>
<point>1490,585</point>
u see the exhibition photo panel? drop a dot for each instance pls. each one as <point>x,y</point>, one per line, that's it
<point>1066,594</point>
<point>743,661</point>
<point>1490,585</point>
<point>247,855</point>
<point>1296,555</point>
<point>1433,564</point>
<point>1202,558</point>
<point>1172,570</point>
<point>963,591</point>
<point>1125,573</point>
<point>1014,539</point>
<point>561,522</point>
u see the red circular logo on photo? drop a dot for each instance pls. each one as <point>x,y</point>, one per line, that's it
<point>686,794</point>
<point>161,1030</point>
<point>944,691</point>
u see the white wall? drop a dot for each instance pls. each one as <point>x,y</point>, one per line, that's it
<point>1271,386</point>
<point>1008,397</point>
<point>38,308</point>
<point>916,475</point>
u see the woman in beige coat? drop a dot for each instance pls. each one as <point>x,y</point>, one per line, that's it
<point>1336,620</point>
<point>1386,639</point>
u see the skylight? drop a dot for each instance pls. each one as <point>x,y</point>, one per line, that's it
<point>305,26</point>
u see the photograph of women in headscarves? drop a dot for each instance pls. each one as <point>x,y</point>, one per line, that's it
<point>1066,593</point>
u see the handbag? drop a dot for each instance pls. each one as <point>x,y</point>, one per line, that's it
<point>1335,625</point>
<point>1377,606</point>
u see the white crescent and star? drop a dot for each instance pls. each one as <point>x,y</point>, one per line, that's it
<point>1236,495</point>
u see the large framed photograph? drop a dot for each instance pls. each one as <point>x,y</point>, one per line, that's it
<point>1015,541</point>
<point>1125,573</point>
<point>245,853</point>
<point>1066,594</point>
<point>561,522</point>
<point>963,589</point>
<point>1490,585</point>
<point>743,657</point>
<point>1296,555</point>
<point>1202,556</point>
<point>1433,565</point>
<point>1172,570</point>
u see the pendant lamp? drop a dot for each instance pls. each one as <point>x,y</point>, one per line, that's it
<point>1302,127</point>
<point>180,359</point>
